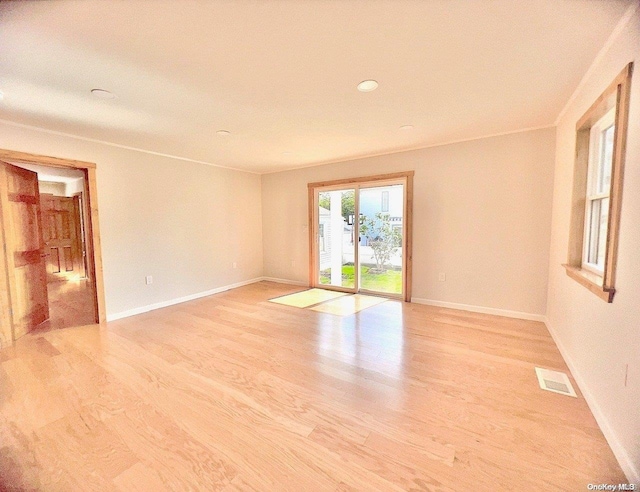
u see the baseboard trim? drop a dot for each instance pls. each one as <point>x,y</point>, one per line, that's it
<point>284,281</point>
<point>632,473</point>
<point>178,300</point>
<point>480,309</point>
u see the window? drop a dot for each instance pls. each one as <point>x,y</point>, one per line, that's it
<point>321,237</point>
<point>598,193</point>
<point>601,136</point>
<point>385,202</point>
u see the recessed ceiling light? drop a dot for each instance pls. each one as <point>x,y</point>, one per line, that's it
<point>367,86</point>
<point>223,133</point>
<point>406,127</point>
<point>103,94</point>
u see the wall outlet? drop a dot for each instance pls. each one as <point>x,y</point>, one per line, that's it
<point>293,263</point>
<point>148,280</point>
<point>234,264</point>
<point>442,277</point>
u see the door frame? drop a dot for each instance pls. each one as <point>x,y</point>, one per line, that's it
<point>407,176</point>
<point>94,253</point>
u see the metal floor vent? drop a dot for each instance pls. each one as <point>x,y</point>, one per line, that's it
<point>555,381</point>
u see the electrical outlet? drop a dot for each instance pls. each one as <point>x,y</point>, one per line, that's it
<point>234,264</point>
<point>442,277</point>
<point>148,280</point>
<point>293,263</point>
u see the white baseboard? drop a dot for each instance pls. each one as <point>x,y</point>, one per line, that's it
<point>480,309</point>
<point>285,281</point>
<point>631,471</point>
<point>178,300</point>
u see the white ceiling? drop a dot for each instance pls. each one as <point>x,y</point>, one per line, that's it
<point>282,75</point>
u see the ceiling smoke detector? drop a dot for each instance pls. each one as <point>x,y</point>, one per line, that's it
<point>367,85</point>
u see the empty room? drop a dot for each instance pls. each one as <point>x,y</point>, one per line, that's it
<point>319,245</point>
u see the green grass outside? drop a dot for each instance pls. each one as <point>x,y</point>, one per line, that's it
<point>389,281</point>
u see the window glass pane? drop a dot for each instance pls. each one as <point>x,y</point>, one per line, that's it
<point>606,158</point>
<point>594,228</point>
<point>321,237</point>
<point>598,232</point>
<point>385,201</point>
<point>335,237</point>
<point>602,233</point>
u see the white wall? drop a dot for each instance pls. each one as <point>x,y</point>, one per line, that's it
<point>183,223</point>
<point>598,339</point>
<point>73,187</point>
<point>56,189</point>
<point>482,214</point>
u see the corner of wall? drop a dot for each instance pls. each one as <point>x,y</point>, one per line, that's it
<point>631,470</point>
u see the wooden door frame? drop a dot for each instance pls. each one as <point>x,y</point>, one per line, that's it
<point>408,211</point>
<point>94,253</point>
<point>84,240</point>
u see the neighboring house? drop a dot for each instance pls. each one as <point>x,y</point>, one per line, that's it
<point>388,200</point>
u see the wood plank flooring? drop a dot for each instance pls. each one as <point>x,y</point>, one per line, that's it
<point>234,393</point>
<point>71,303</point>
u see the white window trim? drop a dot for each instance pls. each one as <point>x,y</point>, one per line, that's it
<point>595,151</point>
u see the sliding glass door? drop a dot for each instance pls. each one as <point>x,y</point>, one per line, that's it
<point>381,228</point>
<point>359,237</point>
<point>335,238</point>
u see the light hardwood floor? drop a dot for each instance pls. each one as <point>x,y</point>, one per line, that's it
<point>71,303</point>
<point>231,392</point>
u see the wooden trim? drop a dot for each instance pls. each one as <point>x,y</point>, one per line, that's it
<point>81,239</point>
<point>365,179</point>
<point>601,105</point>
<point>356,239</point>
<point>94,250</point>
<point>617,174</point>
<point>25,158</point>
<point>617,95</point>
<point>408,212</point>
<point>591,281</point>
<point>312,237</point>
<point>94,245</point>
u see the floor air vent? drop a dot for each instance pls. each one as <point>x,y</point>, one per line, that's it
<point>558,382</point>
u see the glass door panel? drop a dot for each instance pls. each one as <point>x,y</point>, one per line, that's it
<point>380,252</point>
<point>336,238</point>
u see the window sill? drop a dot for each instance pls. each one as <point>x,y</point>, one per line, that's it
<point>591,281</point>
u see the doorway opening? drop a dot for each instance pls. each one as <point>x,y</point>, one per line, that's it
<point>360,235</point>
<point>51,260</point>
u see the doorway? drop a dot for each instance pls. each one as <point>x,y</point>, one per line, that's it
<point>51,262</point>
<point>360,235</point>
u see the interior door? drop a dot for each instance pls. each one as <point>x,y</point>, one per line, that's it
<point>24,247</point>
<point>62,237</point>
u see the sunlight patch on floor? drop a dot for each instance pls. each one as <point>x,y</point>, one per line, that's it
<point>307,298</point>
<point>344,306</point>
